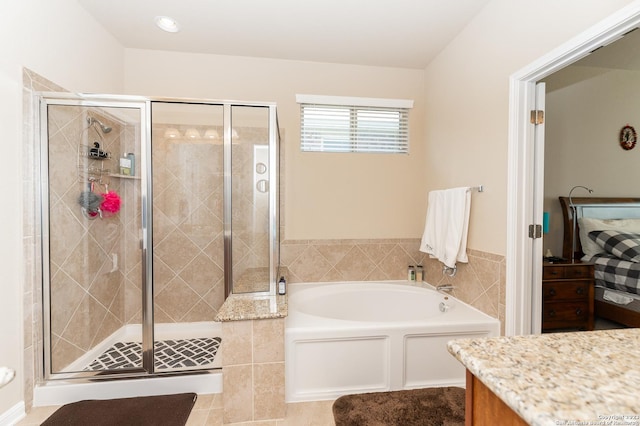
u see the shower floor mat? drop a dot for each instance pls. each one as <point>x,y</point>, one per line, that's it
<point>169,354</point>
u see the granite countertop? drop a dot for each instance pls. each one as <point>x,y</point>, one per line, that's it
<point>241,307</point>
<point>561,378</point>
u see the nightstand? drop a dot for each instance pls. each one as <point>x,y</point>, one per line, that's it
<point>567,296</point>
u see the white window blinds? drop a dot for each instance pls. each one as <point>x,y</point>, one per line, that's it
<point>336,127</point>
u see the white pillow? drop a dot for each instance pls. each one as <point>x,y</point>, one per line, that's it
<point>587,224</point>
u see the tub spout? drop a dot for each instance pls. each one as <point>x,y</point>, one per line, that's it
<point>444,287</point>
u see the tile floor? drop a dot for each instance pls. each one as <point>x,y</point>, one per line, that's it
<point>208,412</point>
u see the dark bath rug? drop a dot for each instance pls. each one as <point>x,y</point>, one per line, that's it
<point>415,407</point>
<point>162,410</point>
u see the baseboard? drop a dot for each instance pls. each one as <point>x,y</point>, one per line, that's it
<point>13,415</point>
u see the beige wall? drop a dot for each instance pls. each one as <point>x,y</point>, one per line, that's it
<point>58,39</point>
<point>467,99</point>
<point>581,142</point>
<point>328,195</point>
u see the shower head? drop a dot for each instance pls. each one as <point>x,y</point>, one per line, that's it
<point>93,120</point>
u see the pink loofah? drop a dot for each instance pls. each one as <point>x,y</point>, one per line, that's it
<point>111,203</point>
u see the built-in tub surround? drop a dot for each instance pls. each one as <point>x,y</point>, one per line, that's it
<point>480,283</point>
<point>354,337</point>
<point>253,357</point>
<point>560,378</point>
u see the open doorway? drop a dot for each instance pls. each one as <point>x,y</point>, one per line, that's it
<point>588,104</point>
<point>525,198</point>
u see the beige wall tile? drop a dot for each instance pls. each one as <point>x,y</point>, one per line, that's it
<point>201,274</point>
<point>177,299</point>
<point>236,345</point>
<point>63,353</point>
<point>176,250</point>
<point>162,274</point>
<point>238,393</point>
<point>334,253</point>
<point>355,265</point>
<point>66,295</point>
<point>395,263</point>
<point>377,251</point>
<point>332,275</point>
<point>310,266</point>
<point>268,391</point>
<point>132,303</point>
<point>85,322</point>
<point>201,311</point>
<point>268,340</point>
<point>30,375</point>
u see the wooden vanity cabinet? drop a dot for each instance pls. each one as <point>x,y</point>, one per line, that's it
<point>484,408</point>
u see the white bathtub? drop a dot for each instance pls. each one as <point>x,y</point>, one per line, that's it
<point>353,337</point>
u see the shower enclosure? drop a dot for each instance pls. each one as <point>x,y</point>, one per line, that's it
<point>153,211</point>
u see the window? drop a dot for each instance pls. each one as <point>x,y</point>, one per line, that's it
<point>336,124</point>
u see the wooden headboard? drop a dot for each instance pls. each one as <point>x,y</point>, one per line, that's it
<point>595,207</point>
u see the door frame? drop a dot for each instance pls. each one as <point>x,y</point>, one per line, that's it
<point>524,257</point>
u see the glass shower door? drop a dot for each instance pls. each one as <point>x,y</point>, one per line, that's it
<point>251,187</point>
<point>92,256</point>
<point>153,211</point>
<point>188,239</point>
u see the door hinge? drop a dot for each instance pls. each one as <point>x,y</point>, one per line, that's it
<point>535,231</point>
<point>537,116</point>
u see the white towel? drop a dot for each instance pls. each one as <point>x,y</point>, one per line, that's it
<point>447,225</point>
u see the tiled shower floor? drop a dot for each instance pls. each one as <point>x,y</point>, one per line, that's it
<point>169,354</point>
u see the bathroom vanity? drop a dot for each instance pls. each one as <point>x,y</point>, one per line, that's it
<point>552,379</point>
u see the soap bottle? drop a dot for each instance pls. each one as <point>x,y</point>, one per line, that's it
<point>125,165</point>
<point>411,273</point>
<point>282,286</point>
<point>132,165</point>
<point>419,273</point>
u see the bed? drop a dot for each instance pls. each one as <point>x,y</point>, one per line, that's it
<point>607,234</point>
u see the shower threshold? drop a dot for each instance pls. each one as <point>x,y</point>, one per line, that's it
<point>187,350</point>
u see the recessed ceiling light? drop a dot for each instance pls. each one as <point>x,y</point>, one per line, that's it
<point>167,24</point>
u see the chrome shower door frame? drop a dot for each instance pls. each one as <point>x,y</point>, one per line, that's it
<point>144,105</point>
<point>274,189</point>
<point>45,100</point>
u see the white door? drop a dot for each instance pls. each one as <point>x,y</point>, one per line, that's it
<point>537,204</point>
<point>524,256</point>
